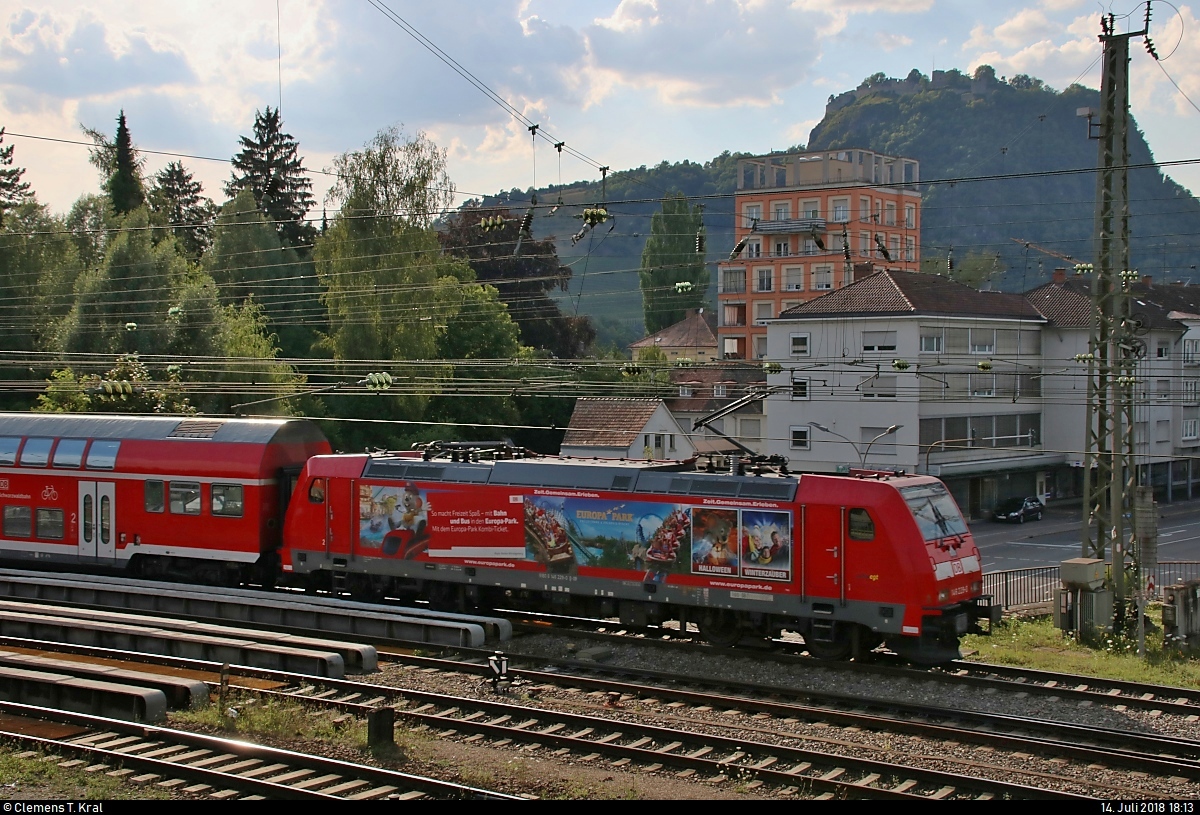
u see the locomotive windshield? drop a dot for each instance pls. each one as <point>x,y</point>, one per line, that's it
<point>936,513</point>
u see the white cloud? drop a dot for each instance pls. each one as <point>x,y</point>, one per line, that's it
<point>890,42</point>
<point>717,53</point>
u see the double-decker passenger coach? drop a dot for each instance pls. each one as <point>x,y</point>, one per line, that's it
<point>198,499</point>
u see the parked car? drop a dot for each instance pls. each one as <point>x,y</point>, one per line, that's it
<point>1018,510</point>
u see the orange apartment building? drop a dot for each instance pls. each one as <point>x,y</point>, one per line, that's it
<point>796,213</point>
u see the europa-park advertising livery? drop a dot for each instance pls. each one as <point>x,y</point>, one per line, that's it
<point>575,532</point>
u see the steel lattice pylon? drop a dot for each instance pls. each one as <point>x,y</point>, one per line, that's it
<point>1109,471</point>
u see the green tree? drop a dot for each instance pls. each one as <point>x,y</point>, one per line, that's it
<point>247,260</point>
<point>270,166</point>
<point>176,200</point>
<point>38,263</point>
<point>89,221</point>
<point>524,279</point>
<point>124,187</point>
<point>393,296</point>
<point>13,190</point>
<point>128,387</point>
<point>121,306</point>
<point>673,276</point>
<point>394,175</point>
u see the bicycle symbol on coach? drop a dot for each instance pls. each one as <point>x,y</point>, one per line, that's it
<point>49,494</point>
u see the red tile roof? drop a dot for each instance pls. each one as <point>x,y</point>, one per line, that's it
<point>600,421</point>
<point>1069,304</point>
<point>897,292</point>
<point>693,331</point>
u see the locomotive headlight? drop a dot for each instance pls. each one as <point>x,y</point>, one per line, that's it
<point>977,587</point>
<point>943,595</point>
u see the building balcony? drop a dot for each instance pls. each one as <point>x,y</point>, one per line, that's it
<point>789,226</point>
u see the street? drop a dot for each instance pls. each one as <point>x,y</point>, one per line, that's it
<point>1056,537</point>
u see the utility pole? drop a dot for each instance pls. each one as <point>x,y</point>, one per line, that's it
<point>1109,470</point>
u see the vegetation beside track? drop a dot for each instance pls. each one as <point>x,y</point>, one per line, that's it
<point>40,778</point>
<point>1037,644</point>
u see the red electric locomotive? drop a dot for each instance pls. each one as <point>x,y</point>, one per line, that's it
<point>193,498</point>
<point>846,562</point>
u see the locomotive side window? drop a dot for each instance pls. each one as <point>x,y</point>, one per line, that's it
<point>69,453</point>
<point>185,498</point>
<point>103,455</point>
<point>316,491</point>
<point>50,523</point>
<point>155,496</point>
<point>8,449</point>
<point>862,528</point>
<point>36,452</point>
<point>227,500</point>
<point>18,522</point>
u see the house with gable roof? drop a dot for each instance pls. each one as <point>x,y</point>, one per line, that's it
<point>619,427</point>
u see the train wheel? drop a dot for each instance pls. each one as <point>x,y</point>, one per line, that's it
<point>444,596</point>
<point>835,643</point>
<point>721,628</point>
<point>366,588</point>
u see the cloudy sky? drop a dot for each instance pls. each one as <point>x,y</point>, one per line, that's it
<point>624,82</point>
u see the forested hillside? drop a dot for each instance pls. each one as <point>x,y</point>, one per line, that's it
<point>966,131</point>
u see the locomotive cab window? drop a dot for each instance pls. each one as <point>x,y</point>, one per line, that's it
<point>50,524</point>
<point>103,455</point>
<point>155,495</point>
<point>185,498</point>
<point>69,453</point>
<point>36,452</point>
<point>316,491</point>
<point>861,527</point>
<point>8,449</point>
<point>18,522</point>
<point>227,500</point>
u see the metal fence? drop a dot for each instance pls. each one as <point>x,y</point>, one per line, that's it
<point>1030,587</point>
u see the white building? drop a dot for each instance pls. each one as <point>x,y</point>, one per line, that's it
<point>984,389</point>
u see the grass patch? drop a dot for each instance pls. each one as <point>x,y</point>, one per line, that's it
<point>1039,645</point>
<point>39,778</point>
<point>280,720</point>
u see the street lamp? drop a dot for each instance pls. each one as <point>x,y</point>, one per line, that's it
<point>862,454</point>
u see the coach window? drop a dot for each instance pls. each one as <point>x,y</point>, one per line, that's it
<point>69,453</point>
<point>50,523</point>
<point>18,522</point>
<point>89,516</point>
<point>8,449</point>
<point>155,496</point>
<point>862,528</point>
<point>185,498</point>
<point>227,500</point>
<point>103,455</point>
<point>316,491</point>
<point>36,452</point>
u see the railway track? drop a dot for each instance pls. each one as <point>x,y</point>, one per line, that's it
<point>648,747</point>
<point>816,769</point>
<point>986,677</point>
<point>1142,752</point>
<point>209,766</point>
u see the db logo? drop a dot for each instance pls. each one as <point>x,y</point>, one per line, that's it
<point>956,566</point>
<point>3,483</point>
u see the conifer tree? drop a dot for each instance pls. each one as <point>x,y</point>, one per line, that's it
<point>270,166</point>
<point>125,184</point>
<point>176,199</point>
<point>12,189</point>
<point>674,278</point>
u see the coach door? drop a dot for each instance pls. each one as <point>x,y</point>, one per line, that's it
<point>97,508</point>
